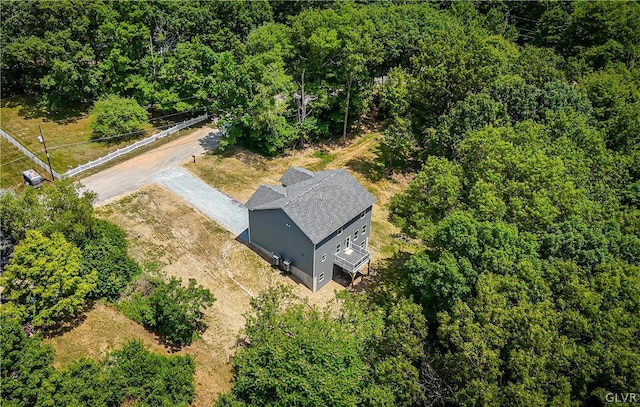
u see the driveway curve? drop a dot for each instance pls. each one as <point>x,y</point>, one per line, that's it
<point>130,175</point>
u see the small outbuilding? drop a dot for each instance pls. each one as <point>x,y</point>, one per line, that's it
<point>312,224</point>
<point>31,178</point>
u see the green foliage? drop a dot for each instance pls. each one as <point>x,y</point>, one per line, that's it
<point>58,207</point>
<point>106,254</point>
<point>132,374</point>
<point>150,379</point>
<point>60,220</point>
<point>171,310</point>
<point>43,282</point>
<point>115,116</point>
<point>431,195</point>
<point>26,364</point>
<point>298,354</point>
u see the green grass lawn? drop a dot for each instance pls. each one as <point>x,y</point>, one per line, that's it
<point>66,135</point>
<point>12,163</point>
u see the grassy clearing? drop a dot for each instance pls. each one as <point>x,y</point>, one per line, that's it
<point>12,163</point>
<point>67,137</point>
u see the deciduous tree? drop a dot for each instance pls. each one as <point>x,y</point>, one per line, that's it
<point>43,282</point>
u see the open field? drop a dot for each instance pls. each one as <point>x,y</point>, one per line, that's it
<point>12,163</point>
<point>67,138</point>
<point>169,237</point>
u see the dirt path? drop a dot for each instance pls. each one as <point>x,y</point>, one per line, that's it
<point>132,174</point>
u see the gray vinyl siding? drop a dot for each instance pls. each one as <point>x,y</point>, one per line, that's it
<point>275,232</point>
<point>328,246</point>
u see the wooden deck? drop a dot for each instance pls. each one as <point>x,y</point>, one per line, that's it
<point>352,259</point>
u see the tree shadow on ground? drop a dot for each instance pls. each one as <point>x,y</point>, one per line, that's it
<point>67,325</point>
<point>372,169</point>
<point>31,108</point>
<point>211,141</point>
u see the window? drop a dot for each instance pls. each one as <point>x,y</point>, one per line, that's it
<point>362,214</point>
<point>362,245</point>
<point>324,257</point>
<point>355,235</point>
<point>338,248</point>
<point>339,231</point>
<point>364,229</point>
<point>347,242</point>
<point>321,277</point>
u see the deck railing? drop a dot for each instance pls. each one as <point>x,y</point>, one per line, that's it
<point>359,257</point>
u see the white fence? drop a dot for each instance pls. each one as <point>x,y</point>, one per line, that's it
<point>115,154</point>
<point>27,152</point>
<point>141,143</point>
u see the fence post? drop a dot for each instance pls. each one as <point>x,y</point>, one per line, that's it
<point>123,150</point>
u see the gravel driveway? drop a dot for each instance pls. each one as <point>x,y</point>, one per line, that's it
<point>226,211</point>
<point>130,175</point>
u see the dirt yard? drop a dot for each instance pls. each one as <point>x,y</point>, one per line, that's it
<point>168,236</point>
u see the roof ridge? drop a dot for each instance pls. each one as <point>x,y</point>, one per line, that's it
<point>273,188</point>
<point>313,186</point>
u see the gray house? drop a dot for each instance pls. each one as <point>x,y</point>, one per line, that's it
<point>312,224</point>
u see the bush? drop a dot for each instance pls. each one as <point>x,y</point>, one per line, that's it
<point>115,116</point>
<point>132,375</point>
<point>171,310</point>
<point>106,253</point>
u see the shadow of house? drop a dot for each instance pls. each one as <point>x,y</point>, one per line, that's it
<point>311,224</point>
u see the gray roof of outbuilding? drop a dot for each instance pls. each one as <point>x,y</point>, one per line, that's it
<point>318,205</point>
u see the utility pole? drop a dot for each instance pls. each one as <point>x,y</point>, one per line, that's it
<point>41,139</point>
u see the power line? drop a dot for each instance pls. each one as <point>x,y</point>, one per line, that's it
<point>95,140</point>
<point>525,29</point>
<point>178,113</point>
<point>24,157</point>
<point>525,19</point>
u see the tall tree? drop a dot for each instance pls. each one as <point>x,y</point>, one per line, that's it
<point>43,282</point>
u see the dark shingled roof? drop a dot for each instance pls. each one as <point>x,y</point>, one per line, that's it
<point>294,175</point>
<point>318,205</point>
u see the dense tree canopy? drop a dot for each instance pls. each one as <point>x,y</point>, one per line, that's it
<point>60,257</point>
<point>128,375</point>
<point>297,354</point>
<point>43,282</point>
<point>517,123</point>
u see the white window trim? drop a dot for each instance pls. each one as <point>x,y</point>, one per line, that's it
<point>324,257</point>
<point>338,247</point>
<point>339,231</point>
<point>355,235</point>
<point>364,229</point>
<point>321,277</point>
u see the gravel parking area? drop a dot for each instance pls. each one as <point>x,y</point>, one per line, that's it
<point>226,211</point>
